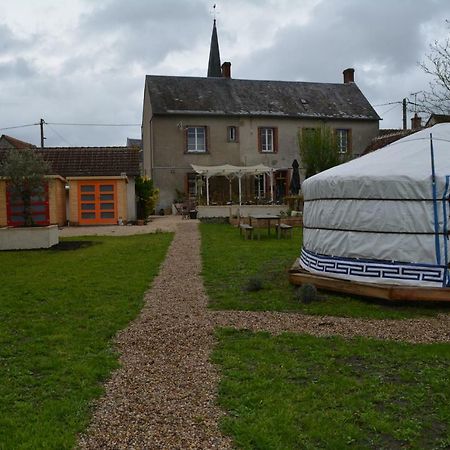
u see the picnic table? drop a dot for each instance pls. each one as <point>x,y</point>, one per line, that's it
<point>269,218</point>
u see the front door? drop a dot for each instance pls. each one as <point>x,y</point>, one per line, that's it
<point>97,202</point>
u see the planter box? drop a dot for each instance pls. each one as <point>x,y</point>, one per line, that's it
<point>27,238</point>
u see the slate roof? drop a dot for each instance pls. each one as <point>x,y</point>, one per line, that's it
<point>90,161</point>
<point>228,96</point>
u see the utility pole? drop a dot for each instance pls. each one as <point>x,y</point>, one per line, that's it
<point>41,123</point>
<point>405,126</point>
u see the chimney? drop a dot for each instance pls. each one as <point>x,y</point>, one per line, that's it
<point>416,122</point>
<point>226,70</point>
<point>349,76</point>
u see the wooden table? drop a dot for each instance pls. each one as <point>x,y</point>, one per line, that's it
<point>269,218</point>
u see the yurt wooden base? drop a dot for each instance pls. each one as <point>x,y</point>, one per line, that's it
<point>389,292</point>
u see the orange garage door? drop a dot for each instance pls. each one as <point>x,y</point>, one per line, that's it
<point>97,202</point>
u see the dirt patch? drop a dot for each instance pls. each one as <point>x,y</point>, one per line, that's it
<point>73,245</point>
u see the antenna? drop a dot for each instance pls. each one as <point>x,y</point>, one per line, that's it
<point>415,99</point>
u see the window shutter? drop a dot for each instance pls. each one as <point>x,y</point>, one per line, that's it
<point>349,141</point>
<point>185,131</point>
<point>259,140</point>
<point>206,139</point>
<point>275,140</point>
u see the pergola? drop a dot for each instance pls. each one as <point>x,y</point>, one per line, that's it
<point>229,171</point>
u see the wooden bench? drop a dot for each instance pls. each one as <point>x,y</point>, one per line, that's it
<point>246,231</point>
<point>284,229</point>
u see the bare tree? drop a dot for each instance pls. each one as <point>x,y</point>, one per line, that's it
<point>437,64</point>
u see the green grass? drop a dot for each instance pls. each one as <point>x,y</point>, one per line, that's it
<point>302,392</point>
<point>229,262</point>
<point>59,311</point>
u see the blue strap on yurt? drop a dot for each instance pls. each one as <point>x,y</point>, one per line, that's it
<point>445,198</point>
<point>435,205</point>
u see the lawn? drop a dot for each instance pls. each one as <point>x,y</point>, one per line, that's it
<point>59,311</point>
<point>302,392</point>
<point>230,263</point>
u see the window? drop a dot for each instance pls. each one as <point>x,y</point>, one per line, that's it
<point>343,140</point>
<point>267,140</point>
<point>232,134</point>
<point>196,139</point>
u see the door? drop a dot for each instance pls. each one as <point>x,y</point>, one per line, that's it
<point>97,202</point>
<point>38,208</point>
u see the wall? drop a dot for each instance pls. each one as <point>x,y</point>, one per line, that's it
<point>57,201</point>
<point>73,202</point>
<point>122,210</point>
<point>3,213</point>
<point>171,163</point>
<point>131,199</point>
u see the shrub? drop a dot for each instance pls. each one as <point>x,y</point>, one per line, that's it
<point>307,293</point>
<point>254,283</point>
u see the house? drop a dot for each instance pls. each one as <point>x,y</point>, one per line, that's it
<point>10,142</point>
<point>218,120</point>
<point>86,186</point>
<point>437,118</point>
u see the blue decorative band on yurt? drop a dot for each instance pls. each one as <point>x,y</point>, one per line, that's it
<point>374,271</point>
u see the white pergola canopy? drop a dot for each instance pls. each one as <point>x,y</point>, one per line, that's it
<point>229,171</point>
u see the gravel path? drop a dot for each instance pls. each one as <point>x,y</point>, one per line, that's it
<point>163,396</point>
<point>412,330</point>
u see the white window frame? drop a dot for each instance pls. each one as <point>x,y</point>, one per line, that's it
<point>267,139</point>
<point>197,146</point>
<point>342,135</point>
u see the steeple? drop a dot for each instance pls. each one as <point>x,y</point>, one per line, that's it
<point>214,69</point>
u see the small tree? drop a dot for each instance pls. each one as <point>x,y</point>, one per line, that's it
<point>25,171</point>
<point>319,150</point>
<point>147,197</point>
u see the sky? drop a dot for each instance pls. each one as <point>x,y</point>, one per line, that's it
<point>75,62</point>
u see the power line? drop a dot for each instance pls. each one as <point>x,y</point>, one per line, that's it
<point>96,124</point>
<point>61,137</point>
<point>390,109</point>
<point>387,104</point>
<point>20,126</point>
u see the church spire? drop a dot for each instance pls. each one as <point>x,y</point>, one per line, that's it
<point>214,69</point>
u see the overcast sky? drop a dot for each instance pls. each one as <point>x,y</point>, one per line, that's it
<point>84,61</point>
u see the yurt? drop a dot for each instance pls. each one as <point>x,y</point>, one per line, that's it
<point>383,218</point>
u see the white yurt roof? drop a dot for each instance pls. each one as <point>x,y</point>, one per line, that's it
<point>380,209</point>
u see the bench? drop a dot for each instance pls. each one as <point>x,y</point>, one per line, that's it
<point>246,231</point>
<point>284,229</point>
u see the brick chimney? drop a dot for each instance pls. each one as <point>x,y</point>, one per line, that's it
<point>226,70</point>
<point>416,122</point>
<point>349,76</point>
